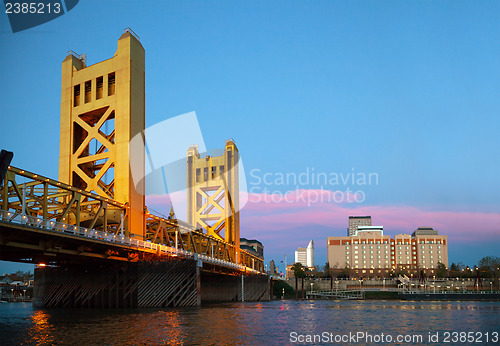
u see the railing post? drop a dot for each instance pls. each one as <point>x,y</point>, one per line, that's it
<point>242,287</point>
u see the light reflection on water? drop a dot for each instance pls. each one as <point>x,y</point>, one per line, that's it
<point>239,323</point>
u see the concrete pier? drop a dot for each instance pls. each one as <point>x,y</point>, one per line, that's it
<point>143,284</point>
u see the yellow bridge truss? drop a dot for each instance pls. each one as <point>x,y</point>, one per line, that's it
<point>36,196</point>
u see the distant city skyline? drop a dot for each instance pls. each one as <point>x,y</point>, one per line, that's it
<point>405,91</point>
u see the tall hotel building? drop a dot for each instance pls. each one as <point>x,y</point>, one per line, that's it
<point>356,221</point>
<point>371,253</point>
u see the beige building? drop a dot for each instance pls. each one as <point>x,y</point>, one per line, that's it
<point>370,253</point>
<point>430,248</point>
<point>355,221</point>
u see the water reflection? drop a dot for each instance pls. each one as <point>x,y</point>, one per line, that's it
<point>41,331</point>
<point>240,323</point>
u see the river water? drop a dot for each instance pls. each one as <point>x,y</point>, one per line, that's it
<point>266,323</point>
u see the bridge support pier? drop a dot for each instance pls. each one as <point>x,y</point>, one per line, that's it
<point>144,284</point>
<point>225,288</point>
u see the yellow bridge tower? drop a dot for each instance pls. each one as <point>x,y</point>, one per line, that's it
<point>213,193</point>
<point>102,108</point>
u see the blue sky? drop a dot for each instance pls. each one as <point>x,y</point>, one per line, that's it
<point>409,90</point>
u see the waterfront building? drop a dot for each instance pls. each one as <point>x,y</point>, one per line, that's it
<point>370,253</point>
<point>305,255</point>
<point>430,248</point>
<point>356,221</point>
<point>253,246</point>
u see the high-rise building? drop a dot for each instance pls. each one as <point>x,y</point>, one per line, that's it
<point>370,253</point>
<point>356,221</point>
<point>305,255</point>
<point>369,229</point>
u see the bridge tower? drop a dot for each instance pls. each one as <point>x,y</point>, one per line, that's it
<point>102,108</point>
<point>213,193</point>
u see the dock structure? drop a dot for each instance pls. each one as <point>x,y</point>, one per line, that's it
<point>336,294</point>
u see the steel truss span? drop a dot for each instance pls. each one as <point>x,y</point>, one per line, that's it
<point>44,218</point>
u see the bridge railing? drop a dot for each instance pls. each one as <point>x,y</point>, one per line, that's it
<point>77,231</point>
<point>48,203</point>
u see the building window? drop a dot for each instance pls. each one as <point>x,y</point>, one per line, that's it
<point>214,170</point>
<point>198,173</point>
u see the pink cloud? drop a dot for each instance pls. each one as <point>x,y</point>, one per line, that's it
<point>323,213</point>
<point>266,213</point>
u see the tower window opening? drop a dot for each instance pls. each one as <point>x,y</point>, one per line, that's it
<point>76,94</point>
<point>205,173</point>
<point>88,90</point>
<point>98,92</point>
<point>214,170</point>
<point>111,84</point>
<point>198,173</point>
